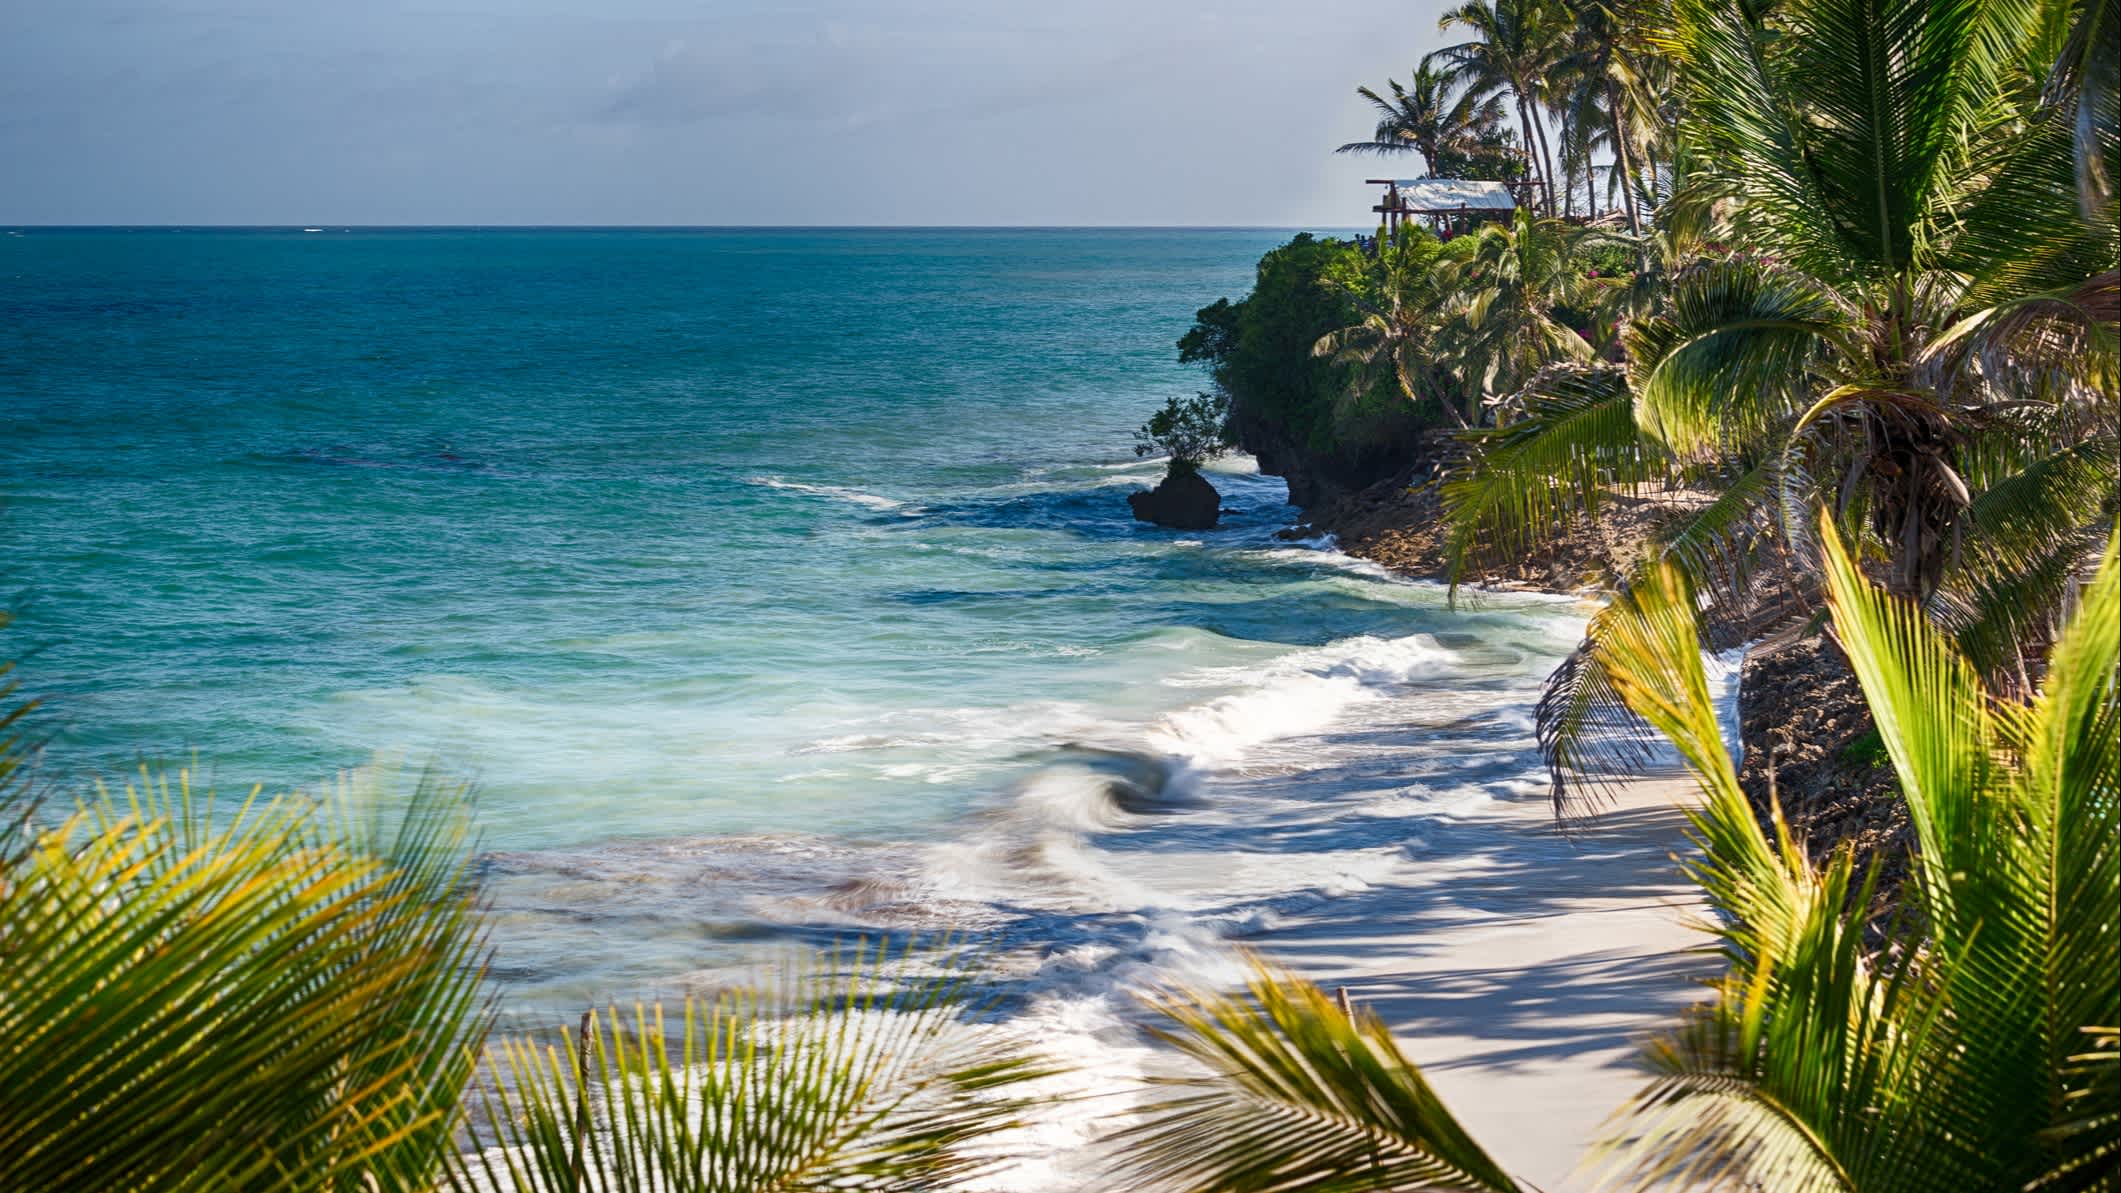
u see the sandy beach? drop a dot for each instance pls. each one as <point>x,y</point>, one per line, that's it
<point>1522,969</point>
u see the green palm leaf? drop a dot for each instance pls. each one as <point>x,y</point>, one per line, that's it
<point>1574,439</point>
<point>1734,355</point>
<point>1778,1082</point>
<point>201,998</point>
<point>1295,1095</point>
<point>825,1081</point>
<point>2018,810</point>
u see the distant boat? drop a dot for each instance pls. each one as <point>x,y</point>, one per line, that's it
<point>312,229</point>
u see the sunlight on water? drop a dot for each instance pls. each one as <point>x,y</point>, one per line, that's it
<point>771,587</point>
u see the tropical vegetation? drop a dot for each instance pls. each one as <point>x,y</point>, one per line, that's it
<point>1188,432</point>
<point>1864,259</point>
<point>1977,1051</point>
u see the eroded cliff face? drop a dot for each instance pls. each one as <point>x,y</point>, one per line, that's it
<point>1318,475</point>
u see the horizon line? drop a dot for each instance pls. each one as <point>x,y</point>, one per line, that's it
<point>354,227</point>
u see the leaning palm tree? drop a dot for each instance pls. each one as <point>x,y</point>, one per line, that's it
<point>1976,1052</point>
<point>1424,117</point>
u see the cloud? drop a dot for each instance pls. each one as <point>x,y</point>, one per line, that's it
<point>677,111</point>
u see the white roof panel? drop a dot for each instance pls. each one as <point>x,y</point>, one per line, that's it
<point>1447,193</point>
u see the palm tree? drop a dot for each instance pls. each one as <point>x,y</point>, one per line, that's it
<point>1424,118</point>
<point>1401,306</point>
<point>1513,280</point>
<point>1515,44</point>
<point>1927,348</point>
<point>1608,78</point>
<point>1978,1051</point>
<point>1464,324</point>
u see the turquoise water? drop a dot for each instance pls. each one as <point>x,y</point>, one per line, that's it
<point>766,583</point>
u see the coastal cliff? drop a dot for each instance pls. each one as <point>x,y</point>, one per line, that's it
<point>1309,419</point>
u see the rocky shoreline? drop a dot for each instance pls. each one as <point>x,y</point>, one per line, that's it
<point>1808,737</point>
<point>1397,523</point>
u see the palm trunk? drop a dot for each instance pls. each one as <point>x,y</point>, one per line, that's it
<point>1524,124</point>
<point>1413,392</point>
<point>1624,164</point>
<point>1623,160</point>
<point>1546,155</point>
<point>1568,181</point>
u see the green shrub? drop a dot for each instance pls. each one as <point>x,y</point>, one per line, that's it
<point>1191,431</point>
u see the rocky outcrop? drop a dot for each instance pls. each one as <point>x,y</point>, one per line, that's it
<point>1181,501</point>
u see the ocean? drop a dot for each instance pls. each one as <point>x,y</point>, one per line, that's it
<point>771,588</point>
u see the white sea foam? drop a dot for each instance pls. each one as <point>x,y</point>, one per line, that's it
<point>835,492</point>
<point>1135,849</point>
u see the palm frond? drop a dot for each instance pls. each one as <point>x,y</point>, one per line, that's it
<point>2059,345</point>
<point>1574,439</point>
<point>1296,1096</point>
<point>1732,355</point>
<point>833,1077</point>
<point>2030,534</point>
<point>1718,546</point>
<point>1847,129</point>
<point>212,998</point>
<point>2087,1142</point>
<point>2086,81</point>
<point>1930,709</point>
<point>2018,814</point>
<point>1588,737</point>
<point>1780,1081</point>
<point>2067,786</point>
<point>2024,231</point>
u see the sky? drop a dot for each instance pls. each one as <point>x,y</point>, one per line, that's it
<point>934,112</point>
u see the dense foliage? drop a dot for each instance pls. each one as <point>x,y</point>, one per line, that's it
<point>1344,353</point>
<point>1258,349</point>
<point>1875,273</point>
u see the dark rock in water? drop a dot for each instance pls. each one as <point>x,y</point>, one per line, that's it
<point>1182,501</point>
